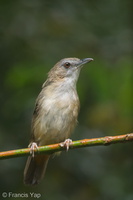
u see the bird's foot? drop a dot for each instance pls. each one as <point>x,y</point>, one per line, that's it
<point>66,143</point>
<point>33,146</point>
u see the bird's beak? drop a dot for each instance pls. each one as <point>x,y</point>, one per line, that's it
<point>84,61</point>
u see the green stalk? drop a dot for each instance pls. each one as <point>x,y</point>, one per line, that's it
<point>49,149</point>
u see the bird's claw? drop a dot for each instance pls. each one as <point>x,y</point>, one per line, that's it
<point>33,146</point>
<point>66,143</point>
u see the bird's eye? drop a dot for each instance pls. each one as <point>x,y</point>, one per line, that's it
<point>67,65</point>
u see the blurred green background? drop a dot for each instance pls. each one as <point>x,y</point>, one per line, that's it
<point>35,34</point>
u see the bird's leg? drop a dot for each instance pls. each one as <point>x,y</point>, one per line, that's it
<point>66,143</point>
<point>33,146</point>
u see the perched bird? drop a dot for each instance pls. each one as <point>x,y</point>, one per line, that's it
<point>55,114</point>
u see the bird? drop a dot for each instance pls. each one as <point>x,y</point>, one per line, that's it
<point>55,114</point>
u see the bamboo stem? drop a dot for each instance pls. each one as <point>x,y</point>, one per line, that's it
<point>75,144</point>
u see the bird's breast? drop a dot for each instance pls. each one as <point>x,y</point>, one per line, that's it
<point>57,118</point>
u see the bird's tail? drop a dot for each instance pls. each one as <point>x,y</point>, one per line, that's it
<point>35,169</point>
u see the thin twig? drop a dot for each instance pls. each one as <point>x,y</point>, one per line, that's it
<point>75,144</point>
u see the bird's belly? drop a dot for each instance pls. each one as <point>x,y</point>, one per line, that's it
<point>56,124</point>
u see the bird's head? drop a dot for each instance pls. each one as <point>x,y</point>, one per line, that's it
<point>68,69</point>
